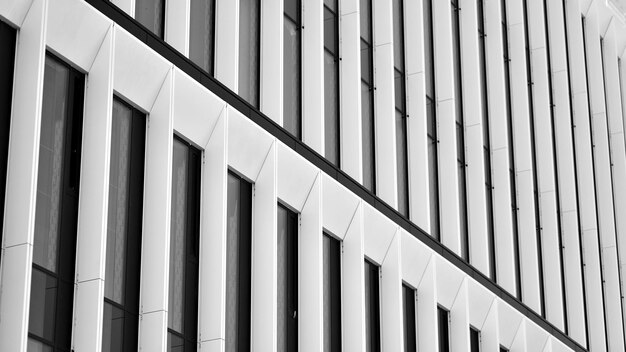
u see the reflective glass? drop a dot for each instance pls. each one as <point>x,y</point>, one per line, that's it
<point>249,48</point>
<point>43,293</point>
<point>201,33</point>
<point>331,104</point>
<point>112,329</point>
<point>151,14</point>
<point>292,100</point>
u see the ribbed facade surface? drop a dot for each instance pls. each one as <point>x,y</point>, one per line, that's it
<point>312,175</point>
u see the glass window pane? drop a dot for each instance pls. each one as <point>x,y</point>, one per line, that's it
<point>249,47</point>
<point>366,20</point>
<point>401,150</point>
<point>232,263</point>
<point>292,99</point>
<point>36,346</point>
<point>331,107</point>
<point>410,338</point>
<point>433,188</point>
<point>118,203</point>
<point>368,136</point>
<point>113,329</point>
<point>428,49</point>
<point>399,90</point>
<point>287,280</point>
<point>372,308</point>
<point>175,343</point>
<point>444,339</point>
<point>474,340</point>
<point>398,35</point>
<point>332,294</point>
<point>180,173</point>
<point>331,4</point>
<point>292,9</point>
<point>366,62</point>
<point>151,13</point>
<point>43,293</point>
<point>330,31</point>
<point>50,172</point>
<point>201,33</point>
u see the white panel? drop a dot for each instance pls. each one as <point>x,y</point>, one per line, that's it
<point>459,320</point>
<point>378,232</point>
<point>177,25</point>
<point>139,72</point>
<point>76,32</point>
<point>310,273</point>
<point>93,200</point>
<point>536,338</point>
<point>391,297</point>
<point>196,109</point>
<point>427,308</point>
<point>227,42</point>
<point>482,301</point>
<point>449,281</point>
<point>271,60</point>
<point>212,275</point>
<point>248,145</point>
<point>19,218</point>
<point>502,218</point>
<point>294,178</point>
<point>509,321</point>
<point>264,280</point>
<point>14,11</point>
<point>339,206</point>
<point>352,286</point>
<point>415,258</point>
<point>313,74</point>
<point>519,342</point>
<point>155,247</point>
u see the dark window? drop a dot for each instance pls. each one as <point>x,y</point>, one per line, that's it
<point>460,129</point>
<point>287,279</point>
<point>7,63</point>
<point>431,118</point>
<point>410,327</point>
<point>249,50</point>
<point>512,176</point>
<point>442,321</point>
<point>238,264</point>
<point>56,214</point>
<point>367,97</point>
<point>292,75</point>
<point>400,104</point>
<point>503,349</point>
<point>332,294</point>
<point>474,340</point>
<point>331,80</point>
<point>123,248</point>
<point>202,33</point>
<point>372,308</point>
<point>486,136</point>
<point>151,13</point>
<point>184,248</point>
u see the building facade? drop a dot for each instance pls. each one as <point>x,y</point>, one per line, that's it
<point>312,175</point>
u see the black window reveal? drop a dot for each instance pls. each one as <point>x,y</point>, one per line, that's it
<point>250,50</point>
<point>56,215</point>
<point>7,63</point>
<point>287,279</point>
<point>474,340</point>
<point>444,334</point>
<point>410,325</point>
<point>332,294</point>
<point>512,176</point>
<point>184,248</point>
<point>400,105</point>
<point>372,307</point>
<point>202,34</point>
<point>124,223</point>
<point>331,80</point>
<point>292,75</point>
<point>367,96</point>
<point>238,264</point>
<point>503,349</point>
<point>431,119</point>
<point>151,13</point>
<point>460,129</point>
<point>486,136</point>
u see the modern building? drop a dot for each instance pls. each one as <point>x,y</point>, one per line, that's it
<point>312,175</point>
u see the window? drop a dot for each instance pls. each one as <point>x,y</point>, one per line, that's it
<point>622,86</point>
<point>151,13</point>
<point>287,279</point>
<point>442,321</point>
<point>249,50</point>
<point>372,308</point>
<point>184,248</point>
<point>202,33</point>
<point>56,214</point>
<point>460,129</point>
<point>503,349</point>
<point>367,97</point>
<point>332,294</point>
<point>331,80</point>
<point>512,176</point>
<point>123,248</point>
<point>238,264</point>
<point>7,62</point>
<point>410,327</point>
<point>482,54</point>
<point>431,119</point>
<point>292,76</point>
<point>400,104</point>
<point>474,340</point>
